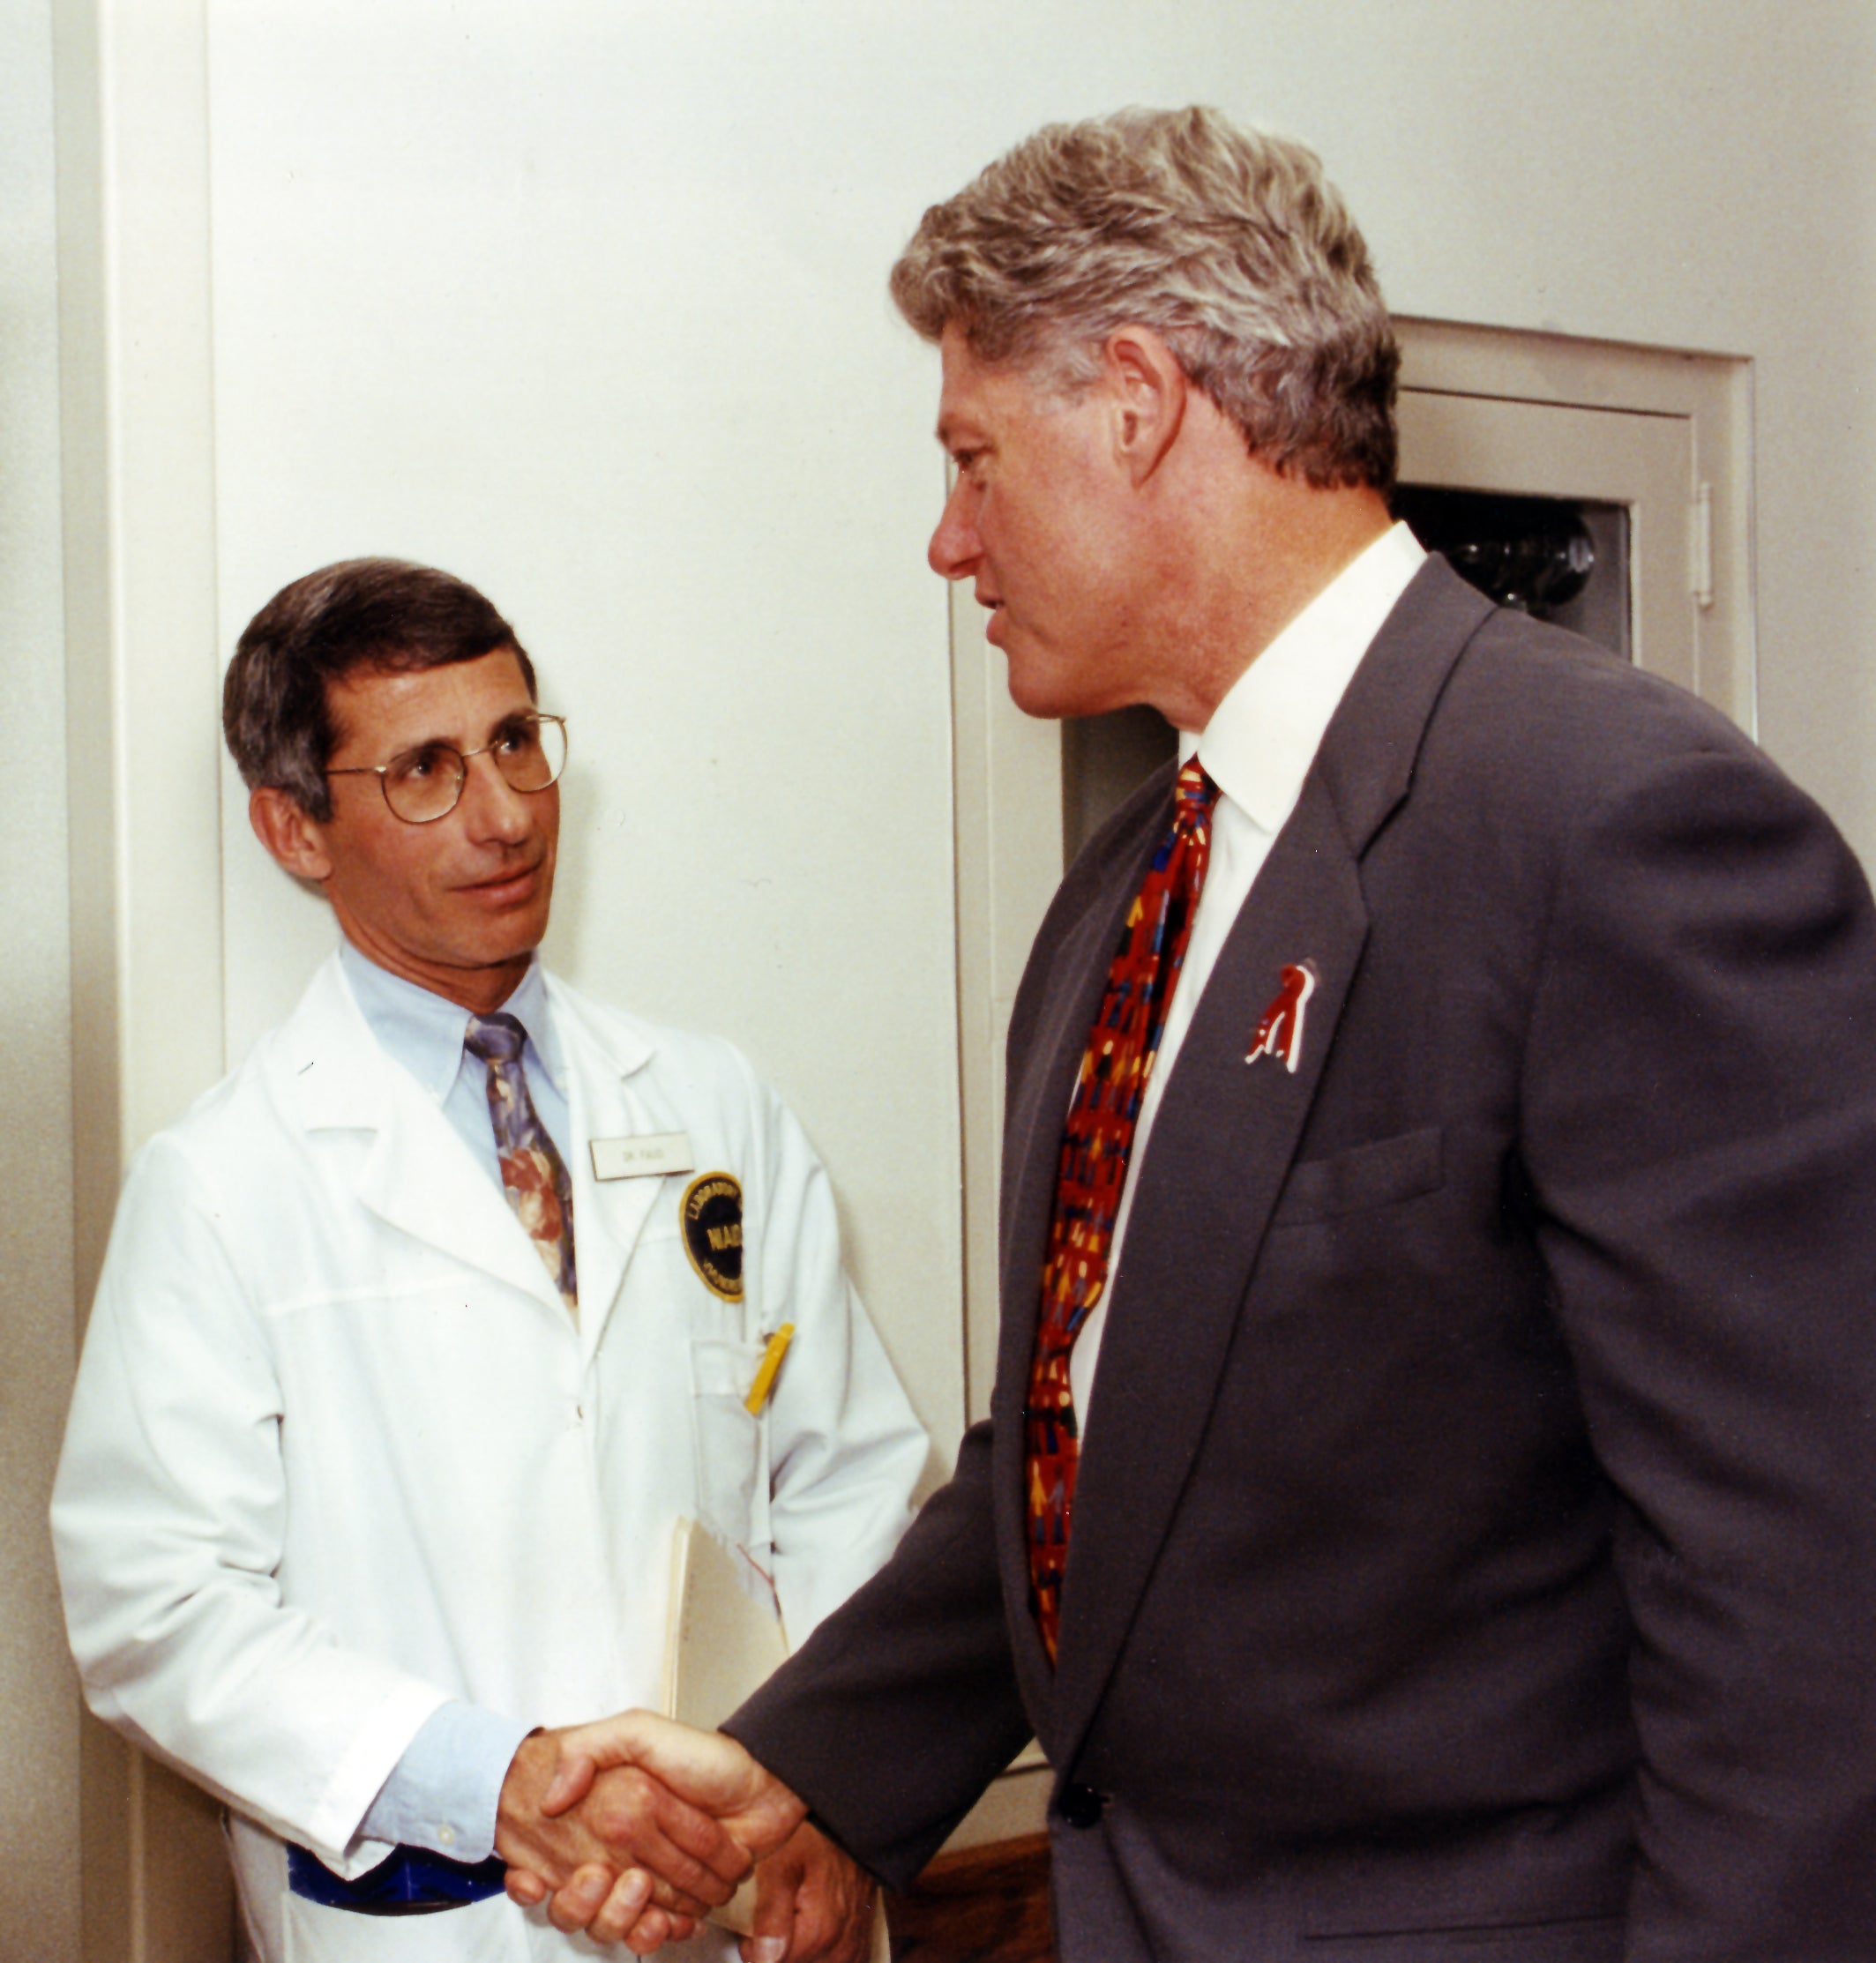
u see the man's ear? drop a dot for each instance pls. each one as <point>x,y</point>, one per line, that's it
<point>1149,389</point>
<point>294,838</point>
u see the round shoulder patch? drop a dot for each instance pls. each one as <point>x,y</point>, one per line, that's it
<point>712,1214</point>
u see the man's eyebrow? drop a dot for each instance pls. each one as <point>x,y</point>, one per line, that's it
<point>506,720</point>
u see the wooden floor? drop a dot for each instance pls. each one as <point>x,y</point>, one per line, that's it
<point>986,1904</point>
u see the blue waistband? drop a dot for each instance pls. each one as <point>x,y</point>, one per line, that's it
<point>411,1882</point>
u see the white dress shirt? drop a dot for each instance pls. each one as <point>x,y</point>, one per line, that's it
<point>1258,747</point>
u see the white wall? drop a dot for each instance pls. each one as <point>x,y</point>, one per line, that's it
<point>585,301</point>
<point>571,304</point>
<point>39,1710</point>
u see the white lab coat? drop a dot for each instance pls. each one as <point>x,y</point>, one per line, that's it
<point>338,1452</point>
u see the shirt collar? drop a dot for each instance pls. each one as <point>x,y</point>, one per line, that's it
<point>1265,733</point>
<point>424,1031</point>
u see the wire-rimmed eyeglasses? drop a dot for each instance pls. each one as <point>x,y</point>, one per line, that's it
<point>425,784</point>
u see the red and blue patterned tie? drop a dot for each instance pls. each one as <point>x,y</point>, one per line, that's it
<point>1095,1142</point>
<point>533,1177</point>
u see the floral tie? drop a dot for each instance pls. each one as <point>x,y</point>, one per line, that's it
<point>533,1175</point>
<point>1095,1142</point>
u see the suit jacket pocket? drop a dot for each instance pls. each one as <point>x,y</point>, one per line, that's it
<point>1381,1173</point>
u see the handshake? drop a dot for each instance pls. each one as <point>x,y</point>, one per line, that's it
<point>634,1827</point>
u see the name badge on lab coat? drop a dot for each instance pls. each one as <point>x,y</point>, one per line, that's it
<point>657,1152</point>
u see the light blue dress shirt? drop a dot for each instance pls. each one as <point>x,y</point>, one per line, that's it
<point>442,1794</point>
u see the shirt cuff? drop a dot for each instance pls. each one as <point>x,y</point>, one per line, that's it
<point>443,1793</point>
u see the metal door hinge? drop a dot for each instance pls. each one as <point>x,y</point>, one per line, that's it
<point>1701,571</point>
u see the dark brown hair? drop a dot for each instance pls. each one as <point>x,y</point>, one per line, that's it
<point>381,615</point>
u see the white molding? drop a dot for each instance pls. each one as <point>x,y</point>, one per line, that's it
<point>138,446</point>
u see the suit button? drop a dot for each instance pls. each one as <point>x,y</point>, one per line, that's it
<point>1081,1805</point>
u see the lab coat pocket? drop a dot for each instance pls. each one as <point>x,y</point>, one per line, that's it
<point>490,1932</point>
<point>732,1446</point>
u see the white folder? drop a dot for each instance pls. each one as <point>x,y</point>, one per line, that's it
<point>720,1644</point>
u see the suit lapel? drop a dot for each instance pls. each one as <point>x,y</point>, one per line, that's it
<point>1221,1148</point>
<point>1222,1143</point>
<point>1032,1150</point>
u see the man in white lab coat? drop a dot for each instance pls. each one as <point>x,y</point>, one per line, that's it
<point>418,1334</point>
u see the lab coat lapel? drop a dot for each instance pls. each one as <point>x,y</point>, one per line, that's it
<point>608,1215</point>
<point>1224,1139</point>
<point>418,1177</point>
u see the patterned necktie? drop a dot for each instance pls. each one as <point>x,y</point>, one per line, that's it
<point>532,1174</point>
<point>1095,1142</point>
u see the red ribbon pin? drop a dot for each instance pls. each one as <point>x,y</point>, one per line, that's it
<point>1280,1034</point>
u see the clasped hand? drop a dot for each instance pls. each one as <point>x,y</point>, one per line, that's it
<point>634,1827</point>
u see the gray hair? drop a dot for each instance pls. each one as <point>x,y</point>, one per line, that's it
<point>1230,244</point>
<point>382,616</point>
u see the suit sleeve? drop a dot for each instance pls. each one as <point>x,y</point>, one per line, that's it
<point>900,1710</point>
<point>1700,1135</point>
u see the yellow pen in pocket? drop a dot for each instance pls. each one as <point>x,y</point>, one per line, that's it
<point>778,1348</point>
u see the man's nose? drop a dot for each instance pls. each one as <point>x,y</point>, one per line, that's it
<point>492,807</point>
<point>955,547</point>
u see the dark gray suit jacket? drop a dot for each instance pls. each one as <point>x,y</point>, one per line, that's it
<point>1475,1551</point>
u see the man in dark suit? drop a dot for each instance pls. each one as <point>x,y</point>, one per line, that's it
<point>1429,1506</point>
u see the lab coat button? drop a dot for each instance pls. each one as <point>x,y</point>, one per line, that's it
<point>446,1834</point>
